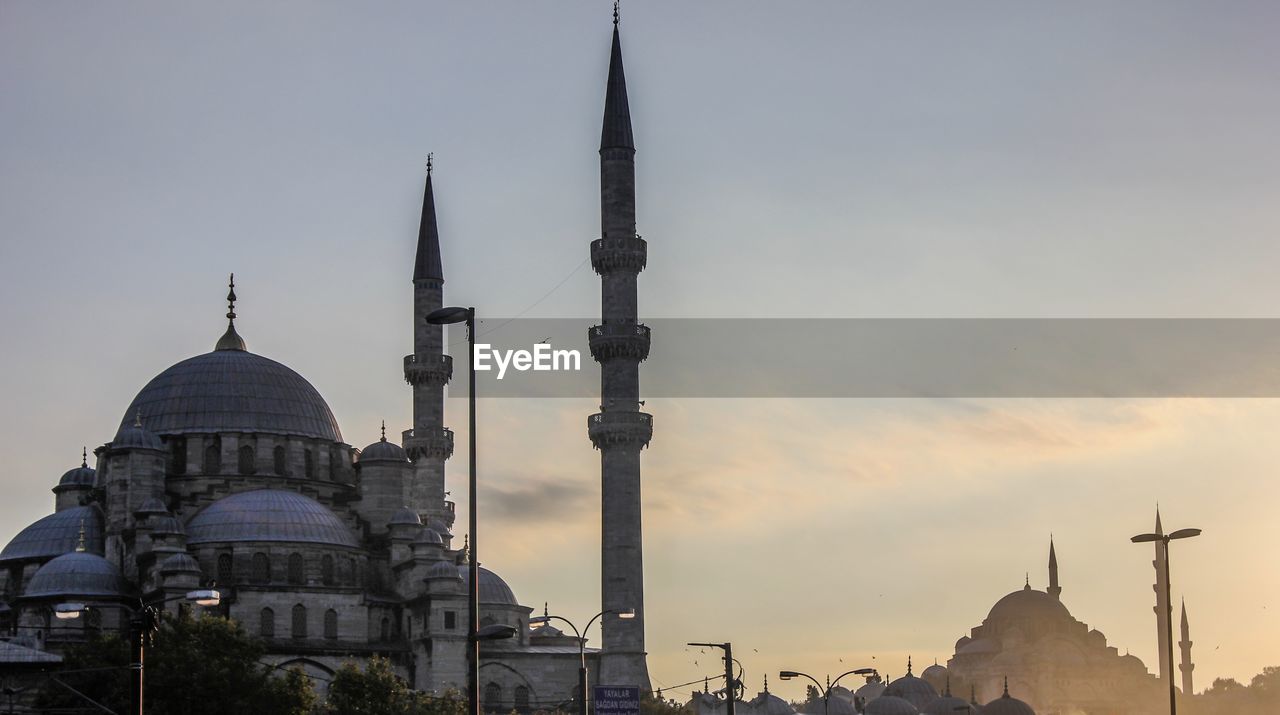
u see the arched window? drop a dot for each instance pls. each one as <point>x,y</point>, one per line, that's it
<point>385,632</point>
<point>225,574</point>
<point>213,456</point>
<point>492,696</point>
<point>522,698</point>
<point>261,571</point>
<point>333,465</point>
<point>178,452</point>
<point>299,621</point>
<point>267,623</point>
<point>331,624</point>
<point>326,570</point>
<point>295,568</point>
<point>309,464</point>
<point>246,459</point>
<point>279,457</point>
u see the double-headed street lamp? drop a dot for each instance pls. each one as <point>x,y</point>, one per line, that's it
<point>582,646</point>
<point>450,316</point>
<point>1168,601</point>
<point>826,692</point>
<point>144,620</point>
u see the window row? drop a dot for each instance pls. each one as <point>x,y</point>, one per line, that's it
<point>493,697</point>
<point>246,459</point>
<point>295,571</point>
<point>267,623</point>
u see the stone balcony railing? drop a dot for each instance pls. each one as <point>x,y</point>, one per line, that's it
<point>614,340</point>
<point>619,255</point>
<point>437,443</point>
<point>615,429</point>
<point>428,369</point>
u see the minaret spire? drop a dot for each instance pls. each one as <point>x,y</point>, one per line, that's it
<point>1054,589</point>
<point>1185,646</point>
<point>230,340</point>
<point>616,130</point>
<point>427,264</point>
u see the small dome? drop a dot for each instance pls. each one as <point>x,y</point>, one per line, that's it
<point>180,563</point>
<point>492,588</point>
<point>135,436</point>
<point>428,536</point>
<point>1006,705</point>
<point>767,703</point>
<point>269,515</point>
<point>78,573</point>
<point>404,516</point>
<point>545,630</point>
<point>945,705</point>
<point>444,569</point>
<point>915,690</point>
<point>836,705</point>
<point>152,506</point>
<point>82,476</point>
<point>56,534</point>
<point>383,451</point>
<point>439,527</point>
<point>870,691</point>
<point>166,524</point>
<point>839,691</point>
<point>890,705</point>
<point>1026,605</point>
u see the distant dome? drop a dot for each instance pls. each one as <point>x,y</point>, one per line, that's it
<point>492,588</point>
<point>915,690</point>
<point>839,691</point>
<point>936,675</point>
<point>82,476</point>
<point>383,451</point>
<point>439,527</point>
<point>57,534</point>
<point>232,391</point>
<point>1005,705</point>
<point>134,436</point>
<point>405,516</point>
<point>1028,604</point>
<point>945,705</point>
<point>870,691</point>
<point>428,536</point>
<point>268,515</point>
<point>180,563</point>
<point>443,569</point>
<point>890,705</point>
<point>767,703</point>
<point>78,573</point>
<point>835,705</point>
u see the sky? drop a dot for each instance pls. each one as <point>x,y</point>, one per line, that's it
<point>817,159</point>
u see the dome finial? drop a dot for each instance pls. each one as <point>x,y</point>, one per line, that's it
<point>1026,586</point>
<point>80,544</point>
<point>84,456</point>
<point>616,3</point>
<point>766,684</point>
<point>1006,687</point>
<point>545,612</point>
<point>384,430</point>
<point>430,160</point>
<point>908,666</point>
<point>230,340</point>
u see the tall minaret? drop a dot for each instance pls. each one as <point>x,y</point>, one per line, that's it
<point>1054,589</point>
<point>428,370</point>
<point>1162,602</point>
<point>620,430</point>
<point>1185,645</point>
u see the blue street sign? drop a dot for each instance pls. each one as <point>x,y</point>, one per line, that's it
<point>614,700</point>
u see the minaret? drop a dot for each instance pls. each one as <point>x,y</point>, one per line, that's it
<point>1054,589</point>
<point>428,370</point>
<point>1162,603</point>
<point>620,430</point>
<point>1185,645</point>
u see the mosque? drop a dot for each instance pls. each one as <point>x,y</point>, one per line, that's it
<point>229,469</point>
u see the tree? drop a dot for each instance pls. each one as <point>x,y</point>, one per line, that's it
<point>377,690</point>
<point>192,667</point>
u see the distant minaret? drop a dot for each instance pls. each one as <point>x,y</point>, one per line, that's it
<point>1054,589</point>
<point>1162,603</point>
<point>1185,645</point>
<point>620,430</point>
<point>428,370</point>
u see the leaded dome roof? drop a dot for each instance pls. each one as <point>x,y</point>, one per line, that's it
<point>870,691</point>
<point>915,690</point>
<point>1006,705</point>
<point>443,569</point>
<point>404,516</point>
<point>890,705</point>
<point>232,391</point>
<point>268,515</point>
<point>152,506</point>
<point>180,563</point>
<point>492,588</point>
<point>57,534</point>
<point>383,451</point>
<point>428,536</point>
<point>136,436</point>
<point>78,573</point>
<point>945,705</point>
<point>82,476</point>
<point>1028,604</point>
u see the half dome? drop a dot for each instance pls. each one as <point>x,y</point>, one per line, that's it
<point>268,515</point>
<point>57,534</point>
<point>232,391</point>
<point>78,573</point>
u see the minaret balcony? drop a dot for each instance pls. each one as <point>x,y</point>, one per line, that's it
<point>619,429</point>
<point>613,340</point>
<point>434,442</point>
<point>429,370</point>
<point>619,255</point>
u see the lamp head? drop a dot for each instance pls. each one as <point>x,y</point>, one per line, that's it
<point>1184,534</point>
<point>68,611</point>
<point>205,597</point>
<point>787,674</point>
<point>628,613</point>
<point>448,316</point>
<point>1143,538</point>
<point>865,671</point>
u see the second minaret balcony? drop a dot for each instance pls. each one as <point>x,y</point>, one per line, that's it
<point>620,429</point>
<point>619,255</point>
<point>619,340</point>
<point>436,442</point>
<point>430,370</point>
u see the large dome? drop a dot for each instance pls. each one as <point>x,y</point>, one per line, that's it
<point>1028,605</point>
<point>78,573</point>
<point>232,391</point>
<point>57,534</point>
<point>268,515</point>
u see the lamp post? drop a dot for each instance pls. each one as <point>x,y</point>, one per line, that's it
<point>826,692</point>
<point>582,646</point>
<point>450,316</point>
<point>143,622</point>
<point>1168,600</point>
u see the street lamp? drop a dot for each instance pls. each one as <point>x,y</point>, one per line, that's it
<point>144,620</point>
<point>450,316</point>
<point>826,692</point>
<point>582,646</point>
<point>1168,600</point>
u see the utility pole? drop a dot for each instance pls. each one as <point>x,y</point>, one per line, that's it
<point>729,684</point>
